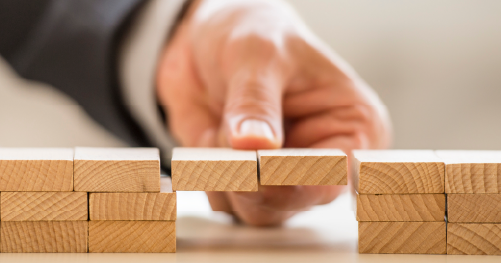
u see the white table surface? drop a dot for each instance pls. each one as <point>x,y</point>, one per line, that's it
<point>325,234</point>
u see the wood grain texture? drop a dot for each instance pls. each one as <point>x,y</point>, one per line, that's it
<point>36,169</point>
<point>398,172</point>
<point>44,237</point>
<point>43,206</point>
<point>473,239</point>
<point>117,170</point>
<point>474,208</point>
<point>402,237</point>
<point>132,236</point>
<point>404,208</point>
<point>134,206</point>
<point>472,172</point>
<point>214,169</point>
<point>303,167</point>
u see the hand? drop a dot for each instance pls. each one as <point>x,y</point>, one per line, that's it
<point>249,74</point>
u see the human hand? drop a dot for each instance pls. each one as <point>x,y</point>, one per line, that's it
<point>249,74</point>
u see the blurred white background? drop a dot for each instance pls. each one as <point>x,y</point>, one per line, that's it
<point>436,65</point>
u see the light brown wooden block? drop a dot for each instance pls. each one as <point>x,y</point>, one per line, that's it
<point>36,169</point>
<point>117,170</point>
<point>474,208</point>
<point>44,237</point>
<point>398,172</point>
<point>402,237</point>
<point>135,206</point>
<point>473,239</point>
<point>214,169</point>
<point>43,206</point>
<point>472,172</point>
<point>409,207</point>
<point>303,167</point>
<point>132,236</point>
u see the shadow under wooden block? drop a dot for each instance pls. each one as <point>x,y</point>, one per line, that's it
<point>474,208</point>
<point>135,206</point>
<point>473,239</point>
<point>117,170</point>
<point>132,236</point>
<point>214,169</point>
<point>43,206</point>
<point>472,172</point>
<point>398,172</point>
<point>401,208</point>
<point>44,237</point>
<point>402,237</point>
<point>303,167</point>
<point>36,169</point>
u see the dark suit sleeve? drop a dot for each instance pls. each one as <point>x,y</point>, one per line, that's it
<point>73,45</point>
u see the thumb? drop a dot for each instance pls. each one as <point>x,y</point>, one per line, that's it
<point>253,110</point>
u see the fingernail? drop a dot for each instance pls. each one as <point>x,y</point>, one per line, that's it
<point>256,128</point>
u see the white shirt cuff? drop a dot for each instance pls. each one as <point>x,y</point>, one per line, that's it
<point>139,56</point>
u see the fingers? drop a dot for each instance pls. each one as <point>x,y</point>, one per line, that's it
<point>255,74</point>
<point>272,205</point>
<point>179,90</point>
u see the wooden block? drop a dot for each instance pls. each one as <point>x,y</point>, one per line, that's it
<point>132,236</point>
<point>398,172</point>
<point>303,167</point>
<point>44,237</point>
<point>473,239</point>
<point>214,169</point>
<point>474,208</point>
<point>117,170</point>
<point>402,237</point>
<point>472,172</point>
<point>36,169</point>
<point>135,206</point>
<point>43,206</point>
<point>409,207</point>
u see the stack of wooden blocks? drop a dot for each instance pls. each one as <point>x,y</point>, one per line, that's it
<point>400,202</point>
<point>473,187</point>
<point>219,169</point>
<point>85,200</point>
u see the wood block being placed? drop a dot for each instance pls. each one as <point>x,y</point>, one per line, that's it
<point>117,170</point>
<point>44,237</point>
<point>474,208</point>
<point>36,169</point>
<point>303,167</point>
<point>473,239</point>
<point>214,169</point>
<point>135,206</point>
<point>43,206</point>
<point>472,172</point>
<point>132,236</point>
<point>402,237</point>
<point>409,207</point>
<point>398,172</point>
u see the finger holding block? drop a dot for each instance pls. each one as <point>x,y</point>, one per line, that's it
<point>303,167</point>
<point>214,169</point>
